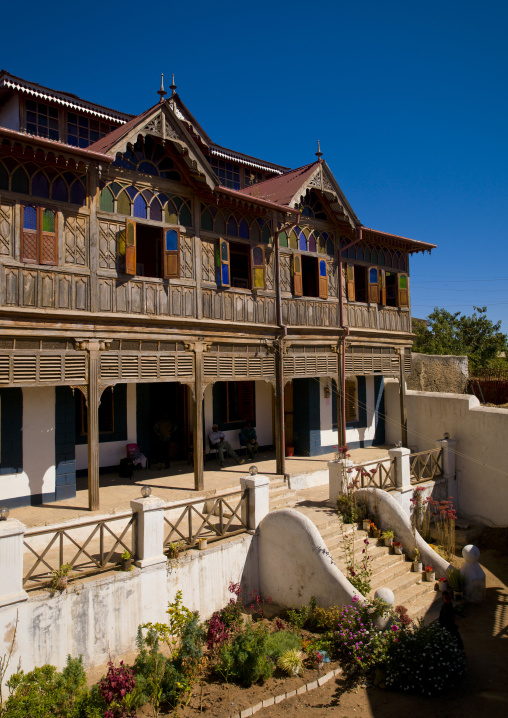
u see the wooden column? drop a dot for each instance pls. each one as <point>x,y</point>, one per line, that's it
<point>280,429</point>
<point>93,244</point>
<point>197,417</point>
<point>402,396</point>
<point>93,425</point>
<point>341,396</point>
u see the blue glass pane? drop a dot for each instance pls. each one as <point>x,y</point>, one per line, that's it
<point>156,211</point>
<point>29,218</point>
<point>243,230</point>
<point>147,168</point>
<point>59,190</point>
<point>322,268</point>
<point>359,253</point>
<point>40,185</point>
<point>140,207</point>
<point>373,276</point>
<point>302,242</point>
<point>225,274</point>
<point>232,229</point>
<point>78,193</point>
<point>131,191</point>
<point>171,240</point>
<point>162,198</point>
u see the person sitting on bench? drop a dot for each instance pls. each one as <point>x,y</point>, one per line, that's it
<point>249,437</point>
<point>218,441</point>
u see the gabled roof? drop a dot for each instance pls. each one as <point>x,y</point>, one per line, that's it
<point>283,189</point>
<point>108,141</point>
<point>66,99</point>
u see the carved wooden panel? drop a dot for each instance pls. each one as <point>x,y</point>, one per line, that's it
<point>29,288</point>
<point>75,240</point>
<point>186,257</point>
<point>285,272</point>
<point>11,286</point>
<point>106,295</point>
<point>64,292</point>
<point>269,274</point>
<point>80,293</point>
<point>385,319</point>
<point>238,366</point>
<point>310,313</point>
<point>233,307</point>
<point>33,368</point>
<point>365,361</point>
<point>300,365</point>
<point>109,237</point>
<point>47,285</point>
<point>147,367</point>
<point>208,261</point>
<point>332,279</point>
<point>6,228</point>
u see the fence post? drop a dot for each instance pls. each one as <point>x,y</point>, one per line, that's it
<point>337,480</point>
<point>448,446</point>
<point>257,502</point>
<point>149,533</point>
<point>12,532</point>
<point>402,476</point>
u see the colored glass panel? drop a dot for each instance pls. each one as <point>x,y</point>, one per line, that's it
<point>130,234</point>
<point>106,202</point>
<point>266,235</point>
<point>185,216</point>
<point>225,274</point>
<point>170,214</point>
<point>243,229</point>
<point>297,263</point>
<point>78,193</point>
<point>156,211</point>
<point>330,249</point>
<point>30,218</point>
<point>293,239</point>
<point>373,275</point>
<point>359,253</point>
<point>147,194</point>
<point>4,177</point>
<point>381,258</point>
<point>374,256</point>
<point>171,240</point>
<point>140,207</point>
<point>48,220</point>
<point>59,190</point>
<point>402,281</point>
<point>321,244</point>
<point>322,268</point>
<point>224,251</point>
<point>220,224</point>
<point>131,191</point>
<point>232,227</point>
<point>283,239</point>
<point>40,185</point>
<point>148,168</point>
<point>123,205</point>
<point>367,255</point>
<point>259,277</point>
<point>302,242</point>
<point>312,243</point>
<point>257,256</point>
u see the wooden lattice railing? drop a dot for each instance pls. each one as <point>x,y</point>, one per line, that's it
<point>426,465</point>
<point>379,473</point>
<point>90,552</point>
<point>221,518</point>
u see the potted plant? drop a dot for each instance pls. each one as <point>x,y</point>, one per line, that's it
<point>430,574</point>
<point>60,577</point>
<point>442,584</point>
<point>366,524</point>
<point>126,559</point>
<point>374,530</point>
<point>387,537</point>
<point>417,563</point>
<point>457,583</point>
<point>397,548</point>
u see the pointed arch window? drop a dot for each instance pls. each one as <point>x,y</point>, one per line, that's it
<point>39,235</point>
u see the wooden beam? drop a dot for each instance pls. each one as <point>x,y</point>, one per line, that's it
<point>402,395</point>
<point>280,429</point>
<point>93,426</point>
<point>197,418</point>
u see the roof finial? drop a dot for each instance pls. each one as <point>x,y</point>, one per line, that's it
<point>162,92</point>
<point>319,154</point>
<point>172,87</point>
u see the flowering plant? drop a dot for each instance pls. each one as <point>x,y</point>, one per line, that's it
<point>429,569</point>
<point>397,543</point>
<point>443,579</point>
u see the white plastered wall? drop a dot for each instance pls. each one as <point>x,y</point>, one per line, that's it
<point>329,437</point>
<point>264,423</point>
<point>110,452</point>
<point>38,476</point>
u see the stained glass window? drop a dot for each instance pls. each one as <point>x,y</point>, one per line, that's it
<point>40,185</point>
<point>283,239</point>
<point>78,193</point>
<point>312,243</point>
<point>106,201</point>
<point>20,181</point>
<point>313,207</point>
<point>243,229</point>
<point>48,220</point>
<point>302,242</point>
<point>59,190</point>
<point>156,210</point>
<point>29,218</point>
<point>4,177</point>
<point>148,156</point>
<point>123,205</point>
<point>171,240</point>
<point>140,207</point>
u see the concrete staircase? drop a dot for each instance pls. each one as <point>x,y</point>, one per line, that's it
<point>281,497</point>
<point>388,569</point>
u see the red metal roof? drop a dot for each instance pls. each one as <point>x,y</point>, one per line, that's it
<point>108,141</point>
<point>55,145</point>
<point>281,190</point>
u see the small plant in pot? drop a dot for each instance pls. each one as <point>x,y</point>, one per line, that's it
<point>442,584</point>
<point>430,574</point>
<point>417,562</point>
<point>374,530</point>
<point>397,547</point>
<point>366,524</point>
<point>387,537</point>
<point>457,583</point>
<point>126,560</point>
<point>60,577</point>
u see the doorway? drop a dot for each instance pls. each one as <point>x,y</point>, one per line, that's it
<point>155,402</point>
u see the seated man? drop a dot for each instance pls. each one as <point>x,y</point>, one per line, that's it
<point>164,430</point>
<point>249,437</point>
<point>218,441</point>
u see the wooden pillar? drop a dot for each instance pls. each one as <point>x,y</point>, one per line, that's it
<point>280,429</point>
<point>93,257</point>
<point>402,396</point>
<point>341,396</point>
<point>93,425</point>
<point>197,418</point>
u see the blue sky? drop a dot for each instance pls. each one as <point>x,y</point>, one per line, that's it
<point>408,100</point>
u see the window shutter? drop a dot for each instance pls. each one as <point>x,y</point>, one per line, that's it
<point>29,252</point>
<point>297,275</point>
<point>351,282</point>
<point>223,266</point>
<point>373,285</point>
<point>257,262</point>
<point>130,247</point>
<point>171,254</point>
<point>403,281</point>
<point>323,279</point>
<point>48,235</point>
<point>382,287</point>
<point>350,401</point>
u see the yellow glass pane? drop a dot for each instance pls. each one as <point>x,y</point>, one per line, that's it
<point>259,278</point>
<point>170,216</point>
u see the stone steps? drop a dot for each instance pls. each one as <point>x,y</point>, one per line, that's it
<point>280,496</point>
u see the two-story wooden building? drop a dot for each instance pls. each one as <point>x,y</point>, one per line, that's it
<point>146,271</point>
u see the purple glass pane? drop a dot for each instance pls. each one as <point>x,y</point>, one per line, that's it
<point>243,229</point>
<point>312,244</point>
<point>40,185</point>
<point>147,194</point>
<point>162,198</point>
<point>59,190</point>
<point>140,207</point>
<point>156,211</point>
<point>232,229</point>
<point>78,193</point>
<point>29,218</point>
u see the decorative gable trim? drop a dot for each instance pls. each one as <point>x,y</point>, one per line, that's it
<point>323,180</point>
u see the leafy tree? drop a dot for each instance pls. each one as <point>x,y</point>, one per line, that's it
<point>476,336</point>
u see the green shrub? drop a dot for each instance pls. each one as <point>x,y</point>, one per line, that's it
<point>326,619</point>
<point>426,659</point>
<point>298,617</point>
<point>281,641</point>
<point>245,659</point>
<point>45,693</point>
